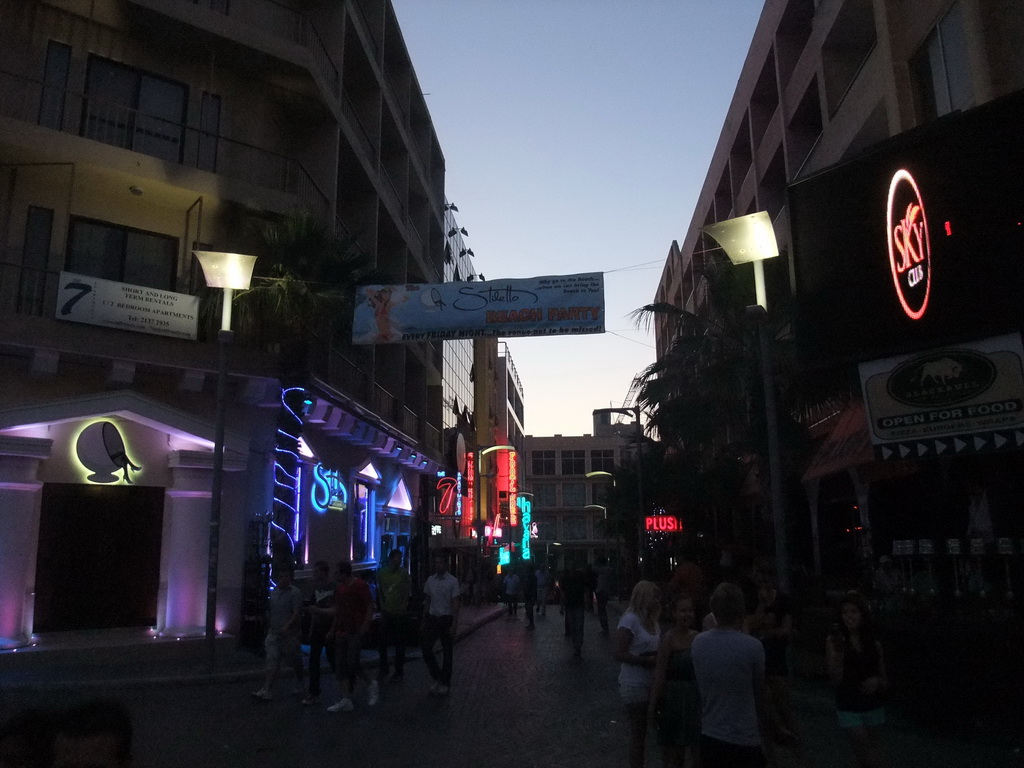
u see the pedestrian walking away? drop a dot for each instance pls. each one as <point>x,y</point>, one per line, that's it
<point>353,611</point>
<point>283,644</point>
<point>394,586</point>
<point>320,609</point>
<point>856,667</point>
<point>603,591</point>
<point>636,648</point>
<point>512,592</point>
<point>543,590</point>
<point>574,601</point>
<point>440,622</point>
<point>529,586</point>
<point>729,667</point>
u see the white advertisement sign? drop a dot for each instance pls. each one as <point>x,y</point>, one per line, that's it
<point>963,398</point>
<point>94,301</point>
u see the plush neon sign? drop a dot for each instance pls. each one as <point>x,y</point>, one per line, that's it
<point>663,523</point>
<point>327,487</point>
<point>513,489</point>
<point>910,259</point>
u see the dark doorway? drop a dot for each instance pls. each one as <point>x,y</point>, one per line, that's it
<point>98,565</point>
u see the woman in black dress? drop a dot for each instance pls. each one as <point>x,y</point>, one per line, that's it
<point>857,668</point>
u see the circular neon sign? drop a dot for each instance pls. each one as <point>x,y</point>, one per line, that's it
<point>910,251</point>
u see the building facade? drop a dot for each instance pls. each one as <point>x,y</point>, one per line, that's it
<point>131,133</point>
<point>829,94</point>
<point>568,476</point>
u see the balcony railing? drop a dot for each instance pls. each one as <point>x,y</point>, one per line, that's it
<point>117,125</point>
<point>281,21</point>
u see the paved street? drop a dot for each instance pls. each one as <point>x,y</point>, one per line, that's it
<point>518,699</point>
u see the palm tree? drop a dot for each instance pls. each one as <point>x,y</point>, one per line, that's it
<point>705,397</point>
<point>303,291</point>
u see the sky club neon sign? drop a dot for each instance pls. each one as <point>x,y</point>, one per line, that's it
<point>327,488</point>
<point>910,251</point>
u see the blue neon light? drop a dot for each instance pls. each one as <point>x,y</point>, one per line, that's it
<point>525,504</point>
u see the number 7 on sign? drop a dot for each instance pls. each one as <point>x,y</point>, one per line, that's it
<point>83,290</point>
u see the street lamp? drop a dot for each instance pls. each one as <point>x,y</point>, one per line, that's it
<point>231,272</point>
<point>746,239</point>
<point>634,411</point>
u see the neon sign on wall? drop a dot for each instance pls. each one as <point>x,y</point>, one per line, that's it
<point>910,251</point>
<point>663,523</point>
<point>451,499</point>
<point>513,489</point>
<point>327,488</point>
<point>525,504</point>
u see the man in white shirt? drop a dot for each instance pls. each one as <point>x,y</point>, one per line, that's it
<point>729,666</point>
<point>441,595</point>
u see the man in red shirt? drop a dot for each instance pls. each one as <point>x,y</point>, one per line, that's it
<point>353,610</point>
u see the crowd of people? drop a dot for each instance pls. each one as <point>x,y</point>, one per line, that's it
<point>718,697</point>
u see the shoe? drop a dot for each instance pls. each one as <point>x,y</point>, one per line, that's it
<point>311,699</point>
<point>442,690</point>
<point>373,696</point>
<point>345,705</point>
<point>262,695</point>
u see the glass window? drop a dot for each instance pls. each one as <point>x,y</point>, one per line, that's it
<point>547,528</point>
<point>360,523</point>
<point>107,251</point>
<point>55,83</point>
<point>130,109</point>
<point>941,69</point>
<point>574,527</point>
<point>599,493</point>
<point>574,494</point>
<point>602,460</point>
<point>34,260</point>
<point>543,462</point>
<point>209,130</point>
<point>544,496</point>
<point>574,462</point>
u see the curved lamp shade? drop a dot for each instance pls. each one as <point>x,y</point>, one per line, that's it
<point>745,238</point>
<point>226,270</point>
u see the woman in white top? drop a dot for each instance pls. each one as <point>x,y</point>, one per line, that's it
<point>636,646</point>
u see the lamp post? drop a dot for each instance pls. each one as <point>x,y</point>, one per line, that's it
<point>746,239</point>
<point>634,411</point>
<point>231,272</point>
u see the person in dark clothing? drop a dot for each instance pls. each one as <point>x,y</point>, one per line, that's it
<point>604,576</point>
<point>856,666</point>
<point>529,588</point>
<point>575,587</point>
<point>320,607</point>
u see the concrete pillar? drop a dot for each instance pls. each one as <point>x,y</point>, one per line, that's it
<point>20,508</point>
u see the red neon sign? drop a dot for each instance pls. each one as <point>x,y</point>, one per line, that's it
<point>910,250</point>
<point>663,523</point>
<point>448,487</point>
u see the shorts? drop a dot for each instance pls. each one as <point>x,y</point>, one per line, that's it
<point>282,648</point>
<point>861,719</point>
<point>634,694</point>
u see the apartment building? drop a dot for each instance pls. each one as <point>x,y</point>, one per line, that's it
<point>569,477</point>
<point>133,132</point>
<point>840,104</point>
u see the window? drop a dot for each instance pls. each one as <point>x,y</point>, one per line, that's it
<point>574,494</point>
<point>209,131</point>
<point>941,69</point>
<point>55,83</point>
<point>602,460</point>
<point>574,462</point>
<point>544,496</point>
<point>574,527</point>
<point>134,110</point>
<point>543,462</point>
<point>599,493</point>
<point>99,249</point>
<point>34,260</point>
<point>546,528</point>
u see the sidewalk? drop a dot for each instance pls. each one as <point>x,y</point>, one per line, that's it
<point>137,659</point>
